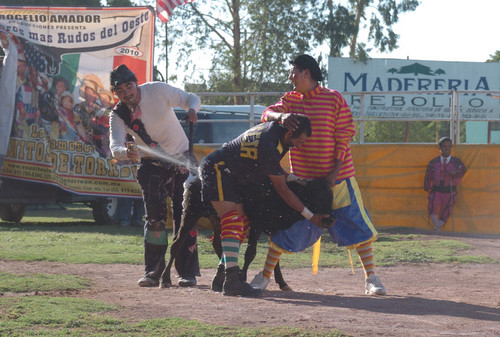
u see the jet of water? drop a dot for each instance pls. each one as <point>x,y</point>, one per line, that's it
<point>168,158</point>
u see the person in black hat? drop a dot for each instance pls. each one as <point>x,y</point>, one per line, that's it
<point>326,154</point>
<point>145,113</point>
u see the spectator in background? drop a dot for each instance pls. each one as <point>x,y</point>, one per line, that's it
<point>129,212</point>
<point>442,177</point>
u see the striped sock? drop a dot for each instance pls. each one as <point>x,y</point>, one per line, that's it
<point>231,231</point>
<point>365,253</point>
<point>273,256</point>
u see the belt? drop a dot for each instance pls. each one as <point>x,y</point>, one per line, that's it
<point>444,189</point>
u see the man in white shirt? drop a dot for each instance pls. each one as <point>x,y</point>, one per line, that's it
<point>145,112</point>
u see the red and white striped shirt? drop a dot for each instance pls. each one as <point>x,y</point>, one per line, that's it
<point>332,131</point>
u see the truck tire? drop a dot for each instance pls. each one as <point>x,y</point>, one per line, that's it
<point>100,211</point>
<point>12,212</point>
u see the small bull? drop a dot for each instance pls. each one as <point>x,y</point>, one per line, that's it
<point>267,213</point>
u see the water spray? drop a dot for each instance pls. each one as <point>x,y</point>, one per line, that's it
<point>168,158</point>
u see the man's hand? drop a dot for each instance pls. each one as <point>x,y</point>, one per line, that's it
<point>289,121</point>
<point>192,117</point>
<point>450,172</point>
<point>133,154</point>
<point>317,219</point>
<point>332,176</point>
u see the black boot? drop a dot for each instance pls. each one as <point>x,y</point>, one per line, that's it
<point>233,286</point>
<point>218,279</point>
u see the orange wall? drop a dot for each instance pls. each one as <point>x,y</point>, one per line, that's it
<point>391,178</point>
<point>391,182</point>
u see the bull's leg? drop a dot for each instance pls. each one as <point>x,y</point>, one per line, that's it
<point>250,255</point>
<point>216,244</point>
<point>218,279</point>
<point>187,224</point>
<point>251,251</point>
<point>278,277</point>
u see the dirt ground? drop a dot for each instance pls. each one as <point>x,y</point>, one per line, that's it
<point>422,300</point>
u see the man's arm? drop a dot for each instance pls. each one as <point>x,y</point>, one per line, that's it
<point>117,136</point>
<point>458,170</point>
<point>282,111</point>
<point>185,100</point>
<point>279,183</point>
<point>428,178</point>
<point>344,126</point>
<point>286,119</point>
<point>332,176</point>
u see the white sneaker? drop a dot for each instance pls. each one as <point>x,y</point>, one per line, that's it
<point>373,286</point>
<point>259,281</point>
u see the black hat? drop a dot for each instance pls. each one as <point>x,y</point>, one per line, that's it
<point>120,75</point>
<point>307,62</point>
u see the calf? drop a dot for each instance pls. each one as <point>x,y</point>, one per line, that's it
<point>265,209</point>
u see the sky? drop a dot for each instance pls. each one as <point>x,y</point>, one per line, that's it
<point>448,30</point>
<point>443,30</point>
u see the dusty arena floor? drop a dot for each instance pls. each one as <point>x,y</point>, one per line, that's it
<point>422,300</point>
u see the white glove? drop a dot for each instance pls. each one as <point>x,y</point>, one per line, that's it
<point>291,177</point>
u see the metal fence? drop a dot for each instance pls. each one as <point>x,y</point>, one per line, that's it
<point>452,108</point>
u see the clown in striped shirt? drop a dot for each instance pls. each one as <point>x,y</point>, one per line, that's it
<point>326,154</point>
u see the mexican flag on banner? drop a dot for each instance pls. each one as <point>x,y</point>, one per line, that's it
<point>75,67</point>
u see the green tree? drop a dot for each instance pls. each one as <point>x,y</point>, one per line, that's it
<point>249,42</point>
<point>495,57</point>
<point>337,27</point>
<point>405,131</point>
<point>253,40</point>
<point>342,25</point>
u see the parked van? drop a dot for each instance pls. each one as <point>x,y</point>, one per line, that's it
<point>218,124</point>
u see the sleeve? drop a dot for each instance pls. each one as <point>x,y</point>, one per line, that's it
<point>270,163</point>
<point>282,106</point>
<point>180,98</point>
<point>428,177</point>
<point>460,170</point>
<point>268,155</point>
<point>117,137</point>
<point>344,126</point>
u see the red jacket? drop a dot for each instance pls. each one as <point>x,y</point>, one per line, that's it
<point>453,172</point>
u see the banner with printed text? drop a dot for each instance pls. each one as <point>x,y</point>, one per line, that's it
<point>59,116</point>
<point>394,88</point>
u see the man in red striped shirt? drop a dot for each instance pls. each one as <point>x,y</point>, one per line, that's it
<point>326,154</point>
